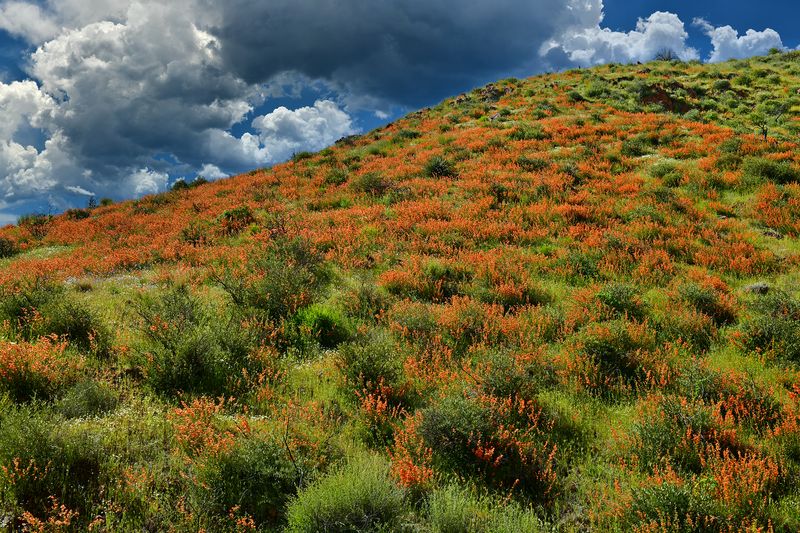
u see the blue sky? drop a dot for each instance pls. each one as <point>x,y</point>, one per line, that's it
<point>118,98</point>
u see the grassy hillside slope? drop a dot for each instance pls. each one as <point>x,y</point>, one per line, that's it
<point>563,303</point>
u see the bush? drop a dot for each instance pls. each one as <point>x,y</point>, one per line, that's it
<point>189,349</point>
<point>614,347</point>
<point>328,326</point>
<point>39,308</point>
<point>527,132</point>
<point>709,302</point>
<point>453,509</point>
<point>255,475</point>
<point>87,399</point>
<point>532,164</point>
<point>337,176</point>
<point>7,247</point>
<point>371,363</point>
<point>371,183</point>
<point>439,167</point>
<point>667,172</point>
<point>623,299</point>
<point>775,326</point>
<point>234,221</point>
<point>37,224</point>
<point>757,169</point>
<point>361,497</point>
<point>276,280</point>
<point>41,460</point>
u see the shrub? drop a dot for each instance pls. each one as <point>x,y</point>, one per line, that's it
<point>39,307</point>
<point>337,176</point>
<point>439,167</point>
<point>623,299</point>
<point>327,325</point>
<point>7,247</point>
<point>189,349</point>
<point>234,221</point>
<point>371,183</point>
<point>667,172</point>
<point>528,132</point>
<point>371,363</point>
<point>453,509</point>
<point>636,146</point>
<point>404,135</point>
<point>615,347</point>
<point>37,224</point>
<point>757,169</point>
<point>501,446</point>
<point>42,460</point>
<point>255,475</point>
<point>276,280</point>
<point>87,399</point>
<point>532,164</point>
<point>35,371</point>
<point>775,326</point>
<point>709,302</point>
<point>360,497</point>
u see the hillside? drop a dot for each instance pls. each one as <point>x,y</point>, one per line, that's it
<point>562,303</point>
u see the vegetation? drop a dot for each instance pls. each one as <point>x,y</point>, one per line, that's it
<point>564,303</point>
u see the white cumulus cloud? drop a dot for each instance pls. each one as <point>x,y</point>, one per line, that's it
<point>595,45</point>
<point>728,44</point>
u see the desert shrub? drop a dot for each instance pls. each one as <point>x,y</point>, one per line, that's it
<point>528,132</point>
<point>532,164</point>
<point>366,300</point>
<point>471,437</point>
<point>758,169</point>
<point>413,319</point>
<point>709,302</point>
<point>336,176</point>
<point>360,497</point>
<point>197,233</point>
<point>454,509</point>
<point>256,475</point>
<point>623,299</point>
<point>371,183</point>
<point>234,221</point>
<point>519,293</point>
<point>439,167</point>
<point>38,308</point>
<point>42,460</point>
<point>301,156</point>
<point>405,135</point>
<point>775,325</point>
<point>668,172</point>
<point>687,325</point>
<point>636,146</point>
<point>7,247</point>
<point>37,370</point>
<point>371,363</point>
<point>188,348</point>
<point>86,399</point>
<point>37,224</point>
<point>682,433</point>
<point>615,347</point>
<point>327,325</point>
<point>276,280</point>
<point>505,375</point>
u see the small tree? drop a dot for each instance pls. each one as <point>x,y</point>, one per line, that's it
<point>667,54</point>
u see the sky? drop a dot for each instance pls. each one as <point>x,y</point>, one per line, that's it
<point>119,98</point>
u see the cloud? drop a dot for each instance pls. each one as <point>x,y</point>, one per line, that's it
<point>212,172</point>
<point>728,44</point>
<point>286,132</point>
<point>79,190</point>
<point>27,21</point>
<point>596,45</point>
<point>147,181</point>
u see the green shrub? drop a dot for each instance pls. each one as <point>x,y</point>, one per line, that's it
<point>528,132</point>
<point>709,302</point>
<point>667,172</point>
<point>775,325</point>
<point>636,146</point>
<point>337,176</point>
<point>757,169</point>
<point>327,325</point>
<point>276,280</point>
<point>40,307</point>
<point>188,348</point>
<point>532,164</point>
<point>7,247</point>
<point>371,183</point>
<point>623,299</point>
<point>371,361</point>
<point>87,399</point>
<point>37,224</point>
<point>256,475</point>
<point>234,221</point>
<point>361,497</point>
<point>453,509</point>
<point>614,347</point>
<point>61,461</point>
<point>405,135</point>
<point>439,167</point>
